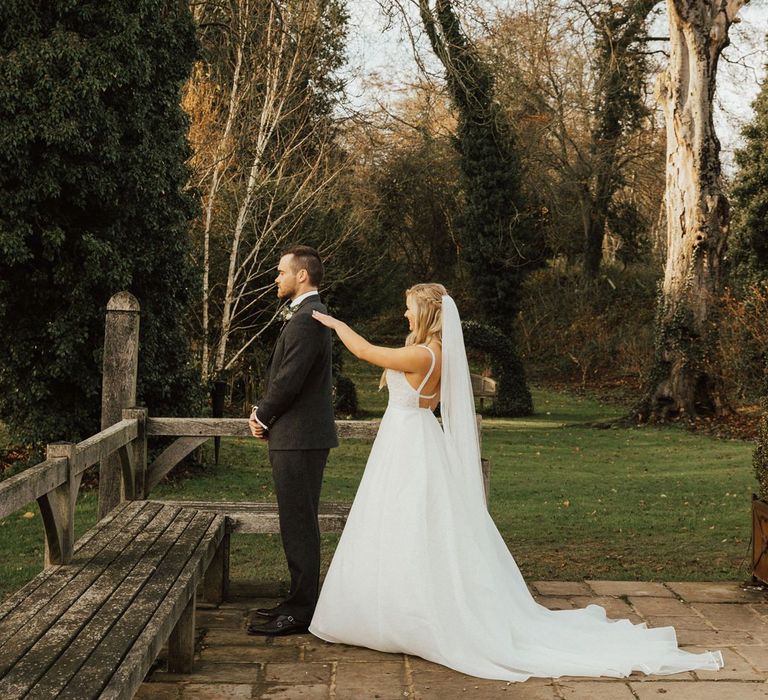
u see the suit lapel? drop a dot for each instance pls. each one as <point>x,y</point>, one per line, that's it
<point>304,302</point>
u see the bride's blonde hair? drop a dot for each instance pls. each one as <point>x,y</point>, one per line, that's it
<point>427,299</point>
<point>428,324</point>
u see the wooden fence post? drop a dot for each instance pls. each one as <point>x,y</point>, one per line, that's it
<point>118,389</point>
<point>57,508</point>
<point>138,454</point>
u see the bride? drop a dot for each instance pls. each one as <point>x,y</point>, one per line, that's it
<point>421,568</point>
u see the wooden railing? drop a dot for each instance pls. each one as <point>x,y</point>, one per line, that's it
<point>120,448</point>
<point>55,483</point>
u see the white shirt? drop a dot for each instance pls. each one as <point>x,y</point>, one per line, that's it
<point>295,302</point>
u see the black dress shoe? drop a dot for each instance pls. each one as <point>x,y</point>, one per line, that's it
<point>269,612</point>
<point>282,624</point>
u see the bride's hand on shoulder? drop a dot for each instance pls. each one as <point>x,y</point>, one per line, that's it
<point>326,320</point>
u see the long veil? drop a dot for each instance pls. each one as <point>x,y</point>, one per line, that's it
<point>457,404</point>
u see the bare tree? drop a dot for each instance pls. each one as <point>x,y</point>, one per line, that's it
<point>267,160</point>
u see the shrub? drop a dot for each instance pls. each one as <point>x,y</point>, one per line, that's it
<point>571,328</point>
<point>513,397</point>
<point>744,340</point>
<point>93,200</point>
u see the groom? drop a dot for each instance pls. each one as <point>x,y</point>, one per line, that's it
<point>295,415</point>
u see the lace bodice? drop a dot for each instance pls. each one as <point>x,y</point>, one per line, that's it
<point>401,393</point>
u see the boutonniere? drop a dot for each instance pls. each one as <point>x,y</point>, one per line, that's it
<point>286,313</point>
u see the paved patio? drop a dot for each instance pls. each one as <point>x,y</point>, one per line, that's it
<point>231,664</point>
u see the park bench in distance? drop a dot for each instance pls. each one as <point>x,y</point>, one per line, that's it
<point>93,621</point>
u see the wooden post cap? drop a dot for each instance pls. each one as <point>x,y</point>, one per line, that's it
<point>123,301</point>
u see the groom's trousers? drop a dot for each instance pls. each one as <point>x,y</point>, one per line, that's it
<point>298,478</point>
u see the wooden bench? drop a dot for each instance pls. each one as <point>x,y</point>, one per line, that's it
<point>93,621</point>
<point>483,388</point>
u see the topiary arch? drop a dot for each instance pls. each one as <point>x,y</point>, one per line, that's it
<point>513,397</point>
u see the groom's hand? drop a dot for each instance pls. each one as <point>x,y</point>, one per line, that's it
<point>257,430</point>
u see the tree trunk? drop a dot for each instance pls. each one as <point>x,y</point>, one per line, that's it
<point>685,378</point>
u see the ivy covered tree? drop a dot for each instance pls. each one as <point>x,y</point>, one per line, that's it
<point>92,201</point>
<point>619,108</point>
<point>499,231</point>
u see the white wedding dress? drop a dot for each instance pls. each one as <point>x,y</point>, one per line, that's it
<point>421,568</point>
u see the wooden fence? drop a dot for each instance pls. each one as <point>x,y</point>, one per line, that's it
<point>120,448</point>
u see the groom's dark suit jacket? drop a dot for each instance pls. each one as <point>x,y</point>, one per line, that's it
<point>297,406</point>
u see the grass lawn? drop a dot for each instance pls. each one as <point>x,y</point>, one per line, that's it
<point>572,501</point>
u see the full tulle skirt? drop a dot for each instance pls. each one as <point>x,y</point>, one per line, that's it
<point>421,569</point>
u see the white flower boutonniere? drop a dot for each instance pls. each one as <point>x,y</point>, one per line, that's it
<point>286,313</point>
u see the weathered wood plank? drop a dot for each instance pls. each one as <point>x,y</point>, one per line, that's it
<point>48,612</point>
<point>262,517</point>
<point>181,643</point>
<point>31,484</point>
<point>36,646</point>
<point>138,449</point>
<point>216,579</point>
<point>119,587</point>
<point>99,446</point>
<point>139,634</point>
<point>57,508</point>
<point>238,427</point>
<point>357,429</point>
<point>27,601</point>
<point>198,427</point>
<point>136,663</point>
<point>169,458</point>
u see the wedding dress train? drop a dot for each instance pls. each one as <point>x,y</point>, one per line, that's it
<point>422,569</point>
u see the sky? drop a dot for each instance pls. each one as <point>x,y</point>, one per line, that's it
<point>381,60</point>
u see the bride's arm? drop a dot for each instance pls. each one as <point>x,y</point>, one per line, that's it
<point>405,359</point>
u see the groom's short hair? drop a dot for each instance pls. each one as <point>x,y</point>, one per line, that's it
<point>307,258</point>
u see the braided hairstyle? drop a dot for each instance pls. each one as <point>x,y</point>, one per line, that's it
<point>427,297</point>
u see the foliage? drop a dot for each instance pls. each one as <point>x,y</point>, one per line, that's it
<point>594,332</point>
<point>419,205</point>
<point>501,238</point>
<point>500,234</point>
<point>344,396</point>
<point>92,201</point>
<point>749,254</point>
<point>513,398</point>
<point>572,78</point>
<point>760,459</point>
<point>744,340</point>
<point>344,392</point>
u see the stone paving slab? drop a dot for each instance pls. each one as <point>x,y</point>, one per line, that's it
<point>715,592</point>
<point>630,588</point>
<point>561,588</point>
<point>720,690</point>
<point>231,665</point>
<point>648,606</point>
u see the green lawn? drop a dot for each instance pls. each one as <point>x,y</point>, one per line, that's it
<point>572,501</point>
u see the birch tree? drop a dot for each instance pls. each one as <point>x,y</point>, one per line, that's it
<point>268,160</point>
<point>685,377</point>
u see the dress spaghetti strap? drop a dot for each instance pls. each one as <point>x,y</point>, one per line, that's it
<point>427,375</point>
